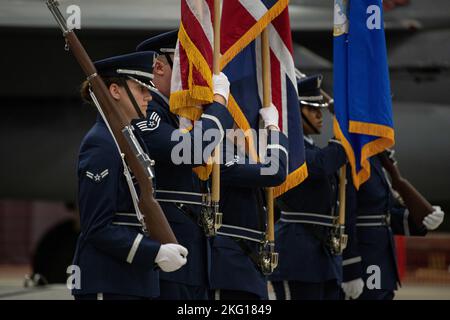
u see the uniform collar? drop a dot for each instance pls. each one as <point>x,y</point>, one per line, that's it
<point>163,101</point>
<point>100,119</point>
<point>156,94</point>
<point>309,140</point>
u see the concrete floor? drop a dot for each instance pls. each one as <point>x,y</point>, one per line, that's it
<point>423,292</point>
<point>12,288</point>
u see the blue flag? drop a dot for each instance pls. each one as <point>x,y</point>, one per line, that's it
<point>363,110</point>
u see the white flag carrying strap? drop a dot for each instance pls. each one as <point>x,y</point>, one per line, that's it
<point>126,172</point>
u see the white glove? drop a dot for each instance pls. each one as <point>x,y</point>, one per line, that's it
<point>353,289</point>
<point>171,257</point>
<point>391,155</point>
<point>185,124</point>
<point>269,116</point>
<point>434,219</point>
<point>221,85</point>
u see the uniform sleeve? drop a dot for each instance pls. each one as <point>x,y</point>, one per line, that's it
<point>269,174</point>
<point>216,116</point>
<point>351,257</point>
<point>325,161</point>
<point>167,143</point>
<point>402,223</point>
<point>99,173</point>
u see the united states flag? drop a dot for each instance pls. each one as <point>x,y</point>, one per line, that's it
<point>192,68</point>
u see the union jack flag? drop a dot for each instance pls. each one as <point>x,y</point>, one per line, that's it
<point>241,50</point>
<point>243,21</point>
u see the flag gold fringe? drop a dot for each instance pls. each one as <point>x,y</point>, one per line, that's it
<point>242,123</point>
<point>203,172</point>
<point>253,32</point>
<point>372,129</point>
<point>185,102</point>
<point>292,180</point>
<point>196,58</point>
<point>370,149</point>
<point>182,104</point>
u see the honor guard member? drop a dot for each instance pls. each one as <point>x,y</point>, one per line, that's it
<point>236,272</point>
<point>378,215</point>
<point>116,259</point>
<point>307,267</point>
<point>177,187</point>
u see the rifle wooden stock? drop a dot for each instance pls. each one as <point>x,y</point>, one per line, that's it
<point>155,220</point>
<point>417,205</point>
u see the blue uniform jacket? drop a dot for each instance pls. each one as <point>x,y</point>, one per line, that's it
<point>112,257</point>
<point>232,269</point>
<point>156,133</point>
<point>375,245</point>
<point>303,255</point>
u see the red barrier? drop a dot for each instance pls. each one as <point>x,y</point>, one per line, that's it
<point>400,244</point>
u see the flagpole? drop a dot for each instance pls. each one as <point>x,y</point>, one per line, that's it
<point>215,196</point>
<point>216,56</point>
<point>342,182</point>
<point>339,242</point>
<point>265,57</point>
<point>270,257</point>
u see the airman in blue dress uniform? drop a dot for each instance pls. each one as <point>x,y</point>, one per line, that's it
<point>235,272</point>
<point>307,268</point>
<point>177,188</point>
<point>116,259</point>
<point>375,216</point>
